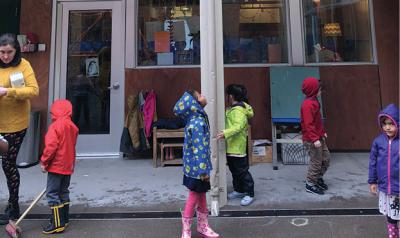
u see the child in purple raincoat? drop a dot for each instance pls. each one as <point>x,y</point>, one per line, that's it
<point>384,171</point>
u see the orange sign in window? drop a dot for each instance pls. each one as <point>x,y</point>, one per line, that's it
<point>161,41</point>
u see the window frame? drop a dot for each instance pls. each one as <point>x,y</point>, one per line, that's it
<point>288,46</point>
<point>295,41</point>
<point>373,41</point>
<point>131,11</point>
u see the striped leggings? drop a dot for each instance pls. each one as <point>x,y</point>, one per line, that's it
<point>9,163</point>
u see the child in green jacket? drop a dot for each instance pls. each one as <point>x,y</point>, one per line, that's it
<point>235,135</point>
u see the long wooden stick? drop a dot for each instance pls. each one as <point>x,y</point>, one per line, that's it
<point>30,207</point>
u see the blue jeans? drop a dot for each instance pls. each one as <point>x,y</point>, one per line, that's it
<point>57,189</point>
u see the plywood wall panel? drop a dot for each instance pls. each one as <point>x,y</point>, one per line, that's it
<point>256,80</point>
<point>386,15</point>
<point>169,84</point>
<point>351,98</point>
<point>351,104</point>
<point>36,18</point>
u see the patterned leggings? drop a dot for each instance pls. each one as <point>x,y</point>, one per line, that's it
<point>9,163</point>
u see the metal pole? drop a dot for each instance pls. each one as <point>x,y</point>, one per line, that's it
<point>212,86</point>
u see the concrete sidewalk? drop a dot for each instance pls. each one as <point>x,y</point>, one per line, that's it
<point>254,227</point>
<point>115,185</point>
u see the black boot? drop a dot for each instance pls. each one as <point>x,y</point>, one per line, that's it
<point>66,213</point>
<point>4,218</point>
<point>10,213</point>
<point>57,224</point>
<point>14,211</point>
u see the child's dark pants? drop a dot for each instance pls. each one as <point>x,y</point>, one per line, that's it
<point>242,180</point>
<point>319,160</point>
<point>57,189</point>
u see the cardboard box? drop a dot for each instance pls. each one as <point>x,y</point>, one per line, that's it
<point>261,153</point>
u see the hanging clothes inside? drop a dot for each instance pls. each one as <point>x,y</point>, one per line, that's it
<point>138,121</point>
<point>149,112</point>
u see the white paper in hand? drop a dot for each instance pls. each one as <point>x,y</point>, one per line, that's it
<point>17,80</point>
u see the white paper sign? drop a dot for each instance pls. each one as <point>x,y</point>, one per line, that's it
<point>259,150</point>
<point>17,80</point>
<point>261,142</point>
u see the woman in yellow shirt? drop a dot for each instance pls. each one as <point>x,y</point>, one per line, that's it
<point>17,85</point>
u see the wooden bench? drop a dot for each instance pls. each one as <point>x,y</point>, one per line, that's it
<point>176,161</point>
<point>180,133</point>
<point>164,134</point>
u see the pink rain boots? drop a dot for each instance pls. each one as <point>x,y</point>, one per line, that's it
<point>393,230</point>
<point>169,153</point>
<point>186,224</point>
<point>203,228</point>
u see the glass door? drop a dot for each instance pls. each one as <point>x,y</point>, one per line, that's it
<point>92,73</point>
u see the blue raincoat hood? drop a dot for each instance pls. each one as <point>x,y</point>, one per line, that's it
<point>188,107</point>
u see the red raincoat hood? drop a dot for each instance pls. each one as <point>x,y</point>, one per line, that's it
<point>310,87</point>
<point>61,108</point>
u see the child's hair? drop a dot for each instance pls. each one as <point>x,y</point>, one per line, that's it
<point>9,39</point>
<point>382,120</point>
<point>238,92</point>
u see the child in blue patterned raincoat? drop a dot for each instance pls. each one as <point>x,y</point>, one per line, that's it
<point>196,161</point>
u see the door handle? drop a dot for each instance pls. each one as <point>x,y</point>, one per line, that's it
<point>115,85</point>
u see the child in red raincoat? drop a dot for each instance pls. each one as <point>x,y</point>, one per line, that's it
<point>58,160</point>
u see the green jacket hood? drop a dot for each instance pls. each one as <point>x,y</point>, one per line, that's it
<point>245,108</point>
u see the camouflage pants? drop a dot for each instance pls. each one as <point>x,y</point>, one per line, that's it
<point>319,160</point>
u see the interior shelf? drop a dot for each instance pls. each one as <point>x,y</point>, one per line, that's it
<point>83,54</point>
<point>172,162</point>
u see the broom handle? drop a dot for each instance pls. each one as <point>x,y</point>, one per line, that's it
<point>30,207</point>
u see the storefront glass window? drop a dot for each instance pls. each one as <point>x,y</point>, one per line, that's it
<point>168,32</point>
<point>89,69</point>
<point>254,31</point>
<point>337,31</point>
